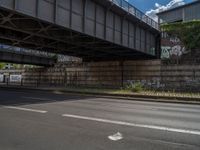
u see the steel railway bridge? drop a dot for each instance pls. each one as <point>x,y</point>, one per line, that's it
<point>94,30</point>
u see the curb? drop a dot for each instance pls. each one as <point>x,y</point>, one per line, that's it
<point>135,97</point>
<point>145,98</point>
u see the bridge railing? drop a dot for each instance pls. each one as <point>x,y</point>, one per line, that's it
<point>135,12</point>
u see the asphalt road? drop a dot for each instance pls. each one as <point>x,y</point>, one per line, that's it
<point>38,120</point>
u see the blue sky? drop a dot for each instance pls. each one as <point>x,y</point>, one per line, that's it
<point>146,5</point>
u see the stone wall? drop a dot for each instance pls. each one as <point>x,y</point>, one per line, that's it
<point>85,74</point>
<point>152,73</point>
<point>181,77</point>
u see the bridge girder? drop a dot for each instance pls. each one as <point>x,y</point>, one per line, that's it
<point>22,30</point>
<point>21,58</point>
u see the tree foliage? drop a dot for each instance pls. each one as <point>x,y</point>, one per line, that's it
<point>187,32</point>
<point>2,65</point>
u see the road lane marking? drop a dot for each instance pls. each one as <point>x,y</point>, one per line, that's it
<point>25,109</point>
<point>116,137</point>
<point>194,132</point>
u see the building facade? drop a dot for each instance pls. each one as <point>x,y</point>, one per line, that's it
<point>171,46</point>
<point>182,13</point>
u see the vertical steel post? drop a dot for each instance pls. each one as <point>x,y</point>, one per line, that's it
<point>113,27</point>
<point>122,72</point>
<point>140,39</point>
<point>105,22</point>
<point>70,14</point>
<point>122,29</point>
<point>22,82</point>
<point>15,4</point>
<point>135,36</point>
<point>55,11</point>
<point>145,41</point>
<point>84,15</point>
<point>95,20</point>
<point>37,8</point>
<point>128,34</point>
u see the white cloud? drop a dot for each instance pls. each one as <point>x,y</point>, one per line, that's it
<point>158,8</point>
<point>157,5</point>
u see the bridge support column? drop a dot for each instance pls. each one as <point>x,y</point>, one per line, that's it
<point>158,46</point>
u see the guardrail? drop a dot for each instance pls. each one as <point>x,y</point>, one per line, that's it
<point>135,12</point>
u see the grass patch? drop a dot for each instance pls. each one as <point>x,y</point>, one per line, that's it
<point>134,87</point>
<point>130,92</point>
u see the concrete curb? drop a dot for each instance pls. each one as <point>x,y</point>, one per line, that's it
<point>141,98</point>
<point>135,97</point>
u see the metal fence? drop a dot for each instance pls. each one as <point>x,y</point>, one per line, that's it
<point>135,12</point>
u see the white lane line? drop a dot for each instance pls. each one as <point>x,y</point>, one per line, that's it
<point>25,109</point>
<point>194,132</point>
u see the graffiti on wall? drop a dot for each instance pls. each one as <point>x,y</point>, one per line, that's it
<point>172,48</point>
<point>154,83</point>
<point>172,52</point>
<point>64,58</point>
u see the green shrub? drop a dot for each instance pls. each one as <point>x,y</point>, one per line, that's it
<point>135,87</point>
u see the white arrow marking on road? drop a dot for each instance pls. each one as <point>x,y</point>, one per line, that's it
<point>116,137</point>
<point>185,131</point>
<point>25,109</point>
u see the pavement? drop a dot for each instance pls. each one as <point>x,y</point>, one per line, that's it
<point>137,96</point>
<point>43,120</point>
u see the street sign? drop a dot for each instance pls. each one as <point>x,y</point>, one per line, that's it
<point>1,77</point>
<point>6,74</point>
<point>15,78</point>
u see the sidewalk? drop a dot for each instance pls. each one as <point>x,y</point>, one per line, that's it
<point>116,94</point>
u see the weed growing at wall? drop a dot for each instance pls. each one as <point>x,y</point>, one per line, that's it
<point>134,87</point>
